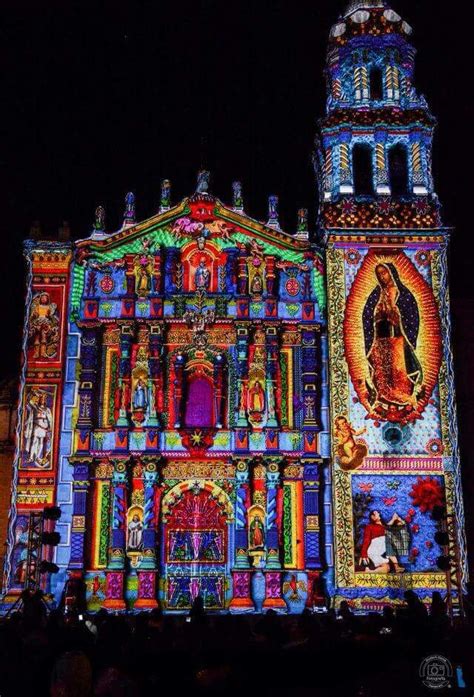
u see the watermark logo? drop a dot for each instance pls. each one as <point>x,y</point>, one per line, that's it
<point>436,672</point>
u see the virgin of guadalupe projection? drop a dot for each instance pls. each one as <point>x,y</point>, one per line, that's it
<point>394,369</point>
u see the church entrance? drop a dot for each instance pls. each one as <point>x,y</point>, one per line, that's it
<point>195,548</point>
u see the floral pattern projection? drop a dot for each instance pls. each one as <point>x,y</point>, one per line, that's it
<point>389,421</point>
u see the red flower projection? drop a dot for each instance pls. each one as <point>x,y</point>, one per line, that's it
<point>427,493</point>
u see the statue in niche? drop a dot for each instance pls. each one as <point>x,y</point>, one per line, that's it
<point>257,397</point>
<point>257,533</point>
<point>257,284</point>
<point>99,219</point>
<point>143,272</point>
<point>140,396</point>
<point>202,276</point>
<point>202,182</point>
<point>135,534</point>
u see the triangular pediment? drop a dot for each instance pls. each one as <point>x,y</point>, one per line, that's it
<point>200,218</point>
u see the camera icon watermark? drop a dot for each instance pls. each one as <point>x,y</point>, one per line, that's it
<point>436,672</point>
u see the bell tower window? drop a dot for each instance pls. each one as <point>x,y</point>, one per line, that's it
<point>398,170</point>
<point>362,170</point>
<point>376,84</point>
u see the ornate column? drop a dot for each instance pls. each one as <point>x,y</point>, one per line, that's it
<point>271,287</point>
<point>156,377</point>
<point>312,534</point>
<point>382,180</point>
<point>150,478</point>
<point>80,488</point>
<point>126,335</point>
<point>241,574</point>
<point>328,169</point>
<point>271,346</point>
<point>309,363</point>
<point>171,263</point>
<point>273,585</point>
<point>419,178</point>
<point>361,83</point>
<point>242,373</point>
<point>392,81</point>
<point>345,174</point>
<point>231,270</point>
<point>130,278</point>
<point>115,585</point>
<point>89,362</point>
<point>272,482</point>
<point>218,388</point>
<point>242,285</point>
<point>178,388</point>
<point>147,571</point>
<point>241,532</point>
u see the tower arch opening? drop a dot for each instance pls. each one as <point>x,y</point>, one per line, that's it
<point>398,170</point>
<point>376,83</point>
<point>362,169</point>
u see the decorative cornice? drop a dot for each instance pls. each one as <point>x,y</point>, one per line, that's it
<point>382,213</point>
<point>389,117</point>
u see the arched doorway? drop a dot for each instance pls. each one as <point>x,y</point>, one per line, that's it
<point>195,545</point>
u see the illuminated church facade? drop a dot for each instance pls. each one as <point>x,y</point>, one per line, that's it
<point>222,409</point>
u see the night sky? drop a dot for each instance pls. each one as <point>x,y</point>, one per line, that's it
<point>106,97</point>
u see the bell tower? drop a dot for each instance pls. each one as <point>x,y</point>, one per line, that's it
<point>377,134</point>
<point>395,461</point>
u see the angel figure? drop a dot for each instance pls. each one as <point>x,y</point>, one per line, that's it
<point>351,454</point>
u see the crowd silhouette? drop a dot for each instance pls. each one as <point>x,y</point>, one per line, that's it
<point>48,653</point>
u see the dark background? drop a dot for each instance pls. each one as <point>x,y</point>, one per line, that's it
<point>102,98</point>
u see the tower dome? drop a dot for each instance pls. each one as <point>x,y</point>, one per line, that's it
<point>368,18</point>
<point>377,135</point>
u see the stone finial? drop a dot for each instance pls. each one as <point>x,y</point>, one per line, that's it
<point>99,220</point>
<point>129,218</point>
<point>273,220</point>
<point>165,199</point>
<point>302,230</point>
<point>203,182</point>
<point>237,198</point>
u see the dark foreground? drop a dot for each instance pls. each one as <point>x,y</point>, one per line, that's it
<point>112,656</point>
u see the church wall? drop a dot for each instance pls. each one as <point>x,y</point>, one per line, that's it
<point>192,386</point>
<point>39,412</point>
